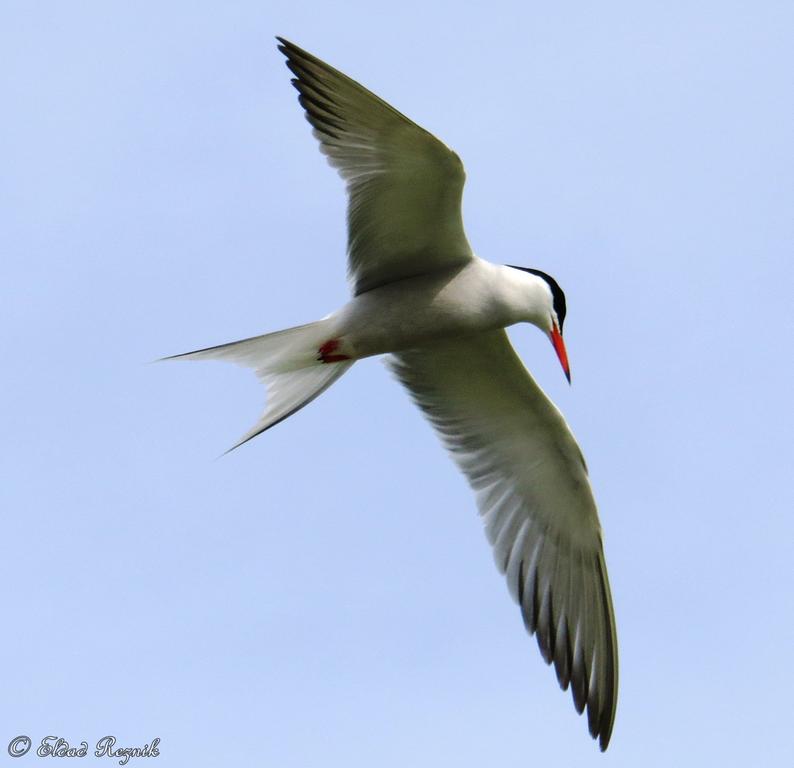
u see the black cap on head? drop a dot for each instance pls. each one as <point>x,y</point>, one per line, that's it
<point>558,297</point>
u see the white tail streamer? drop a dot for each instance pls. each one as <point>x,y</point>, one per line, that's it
<point>286,362</point>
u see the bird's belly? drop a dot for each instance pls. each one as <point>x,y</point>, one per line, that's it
<point>418,311</point>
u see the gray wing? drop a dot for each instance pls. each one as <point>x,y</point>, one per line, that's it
<point>404,186</point>
<point>532,491</point>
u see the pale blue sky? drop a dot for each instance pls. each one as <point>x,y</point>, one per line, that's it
<point>325,595</point>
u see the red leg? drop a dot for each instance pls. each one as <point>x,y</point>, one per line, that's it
<point>326,352</point>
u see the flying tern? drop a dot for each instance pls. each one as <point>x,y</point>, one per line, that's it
<point>422,297</point>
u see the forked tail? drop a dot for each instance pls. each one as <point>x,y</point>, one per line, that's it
<point>287,362</point>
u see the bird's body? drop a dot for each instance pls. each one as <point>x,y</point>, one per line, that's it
<point>423,298</point>
<point>448,303</point>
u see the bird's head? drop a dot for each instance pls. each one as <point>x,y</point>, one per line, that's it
<point>548,313</point>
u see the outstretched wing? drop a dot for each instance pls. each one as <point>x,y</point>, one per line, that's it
<point>404,186</point>
<point>532,491</point>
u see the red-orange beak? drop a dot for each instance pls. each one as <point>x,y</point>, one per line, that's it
<point>559,348</point>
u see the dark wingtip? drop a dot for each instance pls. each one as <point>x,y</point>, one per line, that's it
<point>287,48</point>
